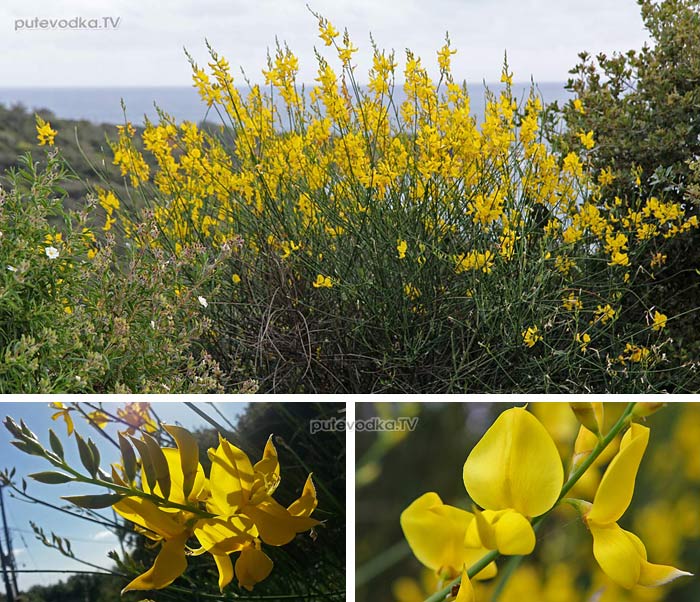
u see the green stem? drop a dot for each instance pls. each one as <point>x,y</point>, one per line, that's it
<point>571,481</point>
<point>127,491</point>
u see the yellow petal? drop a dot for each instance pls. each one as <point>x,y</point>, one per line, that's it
<point>653,575</point>
<point>436,532</point>
<point>168,566</point>
<point>252,567</point>
<point>275,524</point>
<point>514,534</point>
<point>507,531</point>
<point>266,474</point>
<point>307,502</point>
<point>515,465</point>
<point>617,486</point>
<point>177,494</point>
<point>616,554</point>
<point>231,476</point>
<point>466,590</point>
<point>147,515</point>
<point>225,568</point>
<point>225,535</point>
<point>188,456</point>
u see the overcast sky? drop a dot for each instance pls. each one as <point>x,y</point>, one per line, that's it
<point>542,37</point>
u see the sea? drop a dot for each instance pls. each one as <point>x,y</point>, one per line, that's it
<point>104,105</point>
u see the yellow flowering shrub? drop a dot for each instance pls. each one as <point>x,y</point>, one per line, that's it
<point>347,200</point>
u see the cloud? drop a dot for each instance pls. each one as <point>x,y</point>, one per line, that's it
<point>104,534</point>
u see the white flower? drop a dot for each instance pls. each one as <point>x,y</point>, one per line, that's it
<point>51,252</point>
<point>202,301</point>
<point>153,325</point>
<point>12,268</point>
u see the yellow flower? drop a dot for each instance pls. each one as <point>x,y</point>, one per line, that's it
<point>45,134</point>
<point>322,282</point>
<point>401,247</point>
<point>436,533</point>
<point>327,31</point>
<point>659,321</point>
<point>586,139</point>
<point>531,335</point>
<point>515,473</point>
<point>603,313</point>
<point>578,106</point>
<point>236,278</point>
<point>63,412</point>
<point>621,554</point>
<point>583,340</point>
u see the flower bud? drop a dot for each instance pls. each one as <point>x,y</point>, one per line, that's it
<point>642,409</point>
<point>589,414</point>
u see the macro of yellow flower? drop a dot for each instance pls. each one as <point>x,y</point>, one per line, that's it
<point>230,512</point>
<point>515,473</point>
<point>437,534</point>
<point>620,553</point>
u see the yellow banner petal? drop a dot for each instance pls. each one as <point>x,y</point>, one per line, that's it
<point>515,465</point>
<point>231,476</point>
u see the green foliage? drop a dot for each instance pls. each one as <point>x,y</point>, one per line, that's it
<point>643,107</point>
<point>83,146</point>
<point>80,315</point>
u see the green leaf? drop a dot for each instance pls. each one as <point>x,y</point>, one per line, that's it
<point>29,447</point>
<point>86,456</point>
<point>56,445</point>
<point>147,468</point>
<point>160,464</point>
<point>94,502</point>
<point>128,457</point>
<point>51,477</point>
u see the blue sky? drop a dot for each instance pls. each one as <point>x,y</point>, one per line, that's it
<point>89,540</point>
<point>542,37</point>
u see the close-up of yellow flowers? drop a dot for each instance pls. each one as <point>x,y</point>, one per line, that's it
<point>540,483</point>
<point>193,522</point>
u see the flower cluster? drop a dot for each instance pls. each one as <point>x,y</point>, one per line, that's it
<point>232,511</point>
<point>514,476</point>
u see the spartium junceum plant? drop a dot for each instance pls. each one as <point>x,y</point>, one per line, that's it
<point>165,493</point>
<point>385,239</point>
<point>515,478</point>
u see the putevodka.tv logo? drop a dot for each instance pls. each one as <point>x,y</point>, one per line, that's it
<point>74,23</point>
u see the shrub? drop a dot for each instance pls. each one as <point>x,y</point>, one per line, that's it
<point>389,243</point>
<point>80,314</point>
